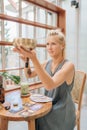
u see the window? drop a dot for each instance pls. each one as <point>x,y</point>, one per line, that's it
<point>29,20</point>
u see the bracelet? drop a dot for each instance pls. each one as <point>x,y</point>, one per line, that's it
<point>27,66</point>
<point>29,71</point>
<point>27,63</point>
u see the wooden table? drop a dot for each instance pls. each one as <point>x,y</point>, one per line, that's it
<point>6,116</point>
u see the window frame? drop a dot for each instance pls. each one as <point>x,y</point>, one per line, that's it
<point>61,23</point>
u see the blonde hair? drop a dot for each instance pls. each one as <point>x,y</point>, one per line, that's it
<point>61,37</point>
<point>58,33</point>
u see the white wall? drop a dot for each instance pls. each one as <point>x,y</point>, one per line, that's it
<point>76,34</point>
<point>83,35</point>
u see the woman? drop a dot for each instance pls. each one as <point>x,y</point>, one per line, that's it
<point>57,75</point>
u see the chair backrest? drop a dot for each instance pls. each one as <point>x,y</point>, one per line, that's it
<point>77,91</point>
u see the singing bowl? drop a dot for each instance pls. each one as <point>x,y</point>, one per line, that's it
<point>26,43</point>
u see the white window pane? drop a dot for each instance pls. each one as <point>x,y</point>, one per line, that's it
<point>12,59</point>
<point>27,31</point>
<point>11,30</point>
<point>41,15</point>
<point>41,53</point>
<point>11,7</point>
<point>40,34</point>
<point>27,11</point>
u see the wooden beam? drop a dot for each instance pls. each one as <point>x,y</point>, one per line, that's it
<point>47,5</point>
<point>5,43</point>
<point>27,22</point>
<point>62,22</point>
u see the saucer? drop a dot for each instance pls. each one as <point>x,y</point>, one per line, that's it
<point>40,98</point>
<point>26,95</point>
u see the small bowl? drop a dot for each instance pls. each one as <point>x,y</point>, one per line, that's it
<point>26,43</point>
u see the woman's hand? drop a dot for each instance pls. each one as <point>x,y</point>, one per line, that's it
<point>22,57</point>
<point>25,53</point>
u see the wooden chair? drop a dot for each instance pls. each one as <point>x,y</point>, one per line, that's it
<point>77,93</point>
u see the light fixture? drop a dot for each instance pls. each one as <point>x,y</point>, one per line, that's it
<point>74,3</point>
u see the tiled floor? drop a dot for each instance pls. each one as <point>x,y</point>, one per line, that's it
<point>23,125</point>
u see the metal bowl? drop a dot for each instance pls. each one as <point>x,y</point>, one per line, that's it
<point>26,43</point>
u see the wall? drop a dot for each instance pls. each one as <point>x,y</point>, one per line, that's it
<point>76,34</point>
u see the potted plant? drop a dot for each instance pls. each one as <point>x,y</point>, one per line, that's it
<point>14,78</point>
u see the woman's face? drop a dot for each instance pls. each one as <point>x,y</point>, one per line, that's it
<point>54,48</point>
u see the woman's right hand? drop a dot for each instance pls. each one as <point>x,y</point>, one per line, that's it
<point>22,57</point>
<point>31,54</point>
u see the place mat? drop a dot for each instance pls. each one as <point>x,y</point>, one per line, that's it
<point>40,98</point>
<point>31,110</point>
<point>26,113</point>
<point>36,107</point>
<point>27,95</point>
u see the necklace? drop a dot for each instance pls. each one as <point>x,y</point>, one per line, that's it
<point>55,65</point>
